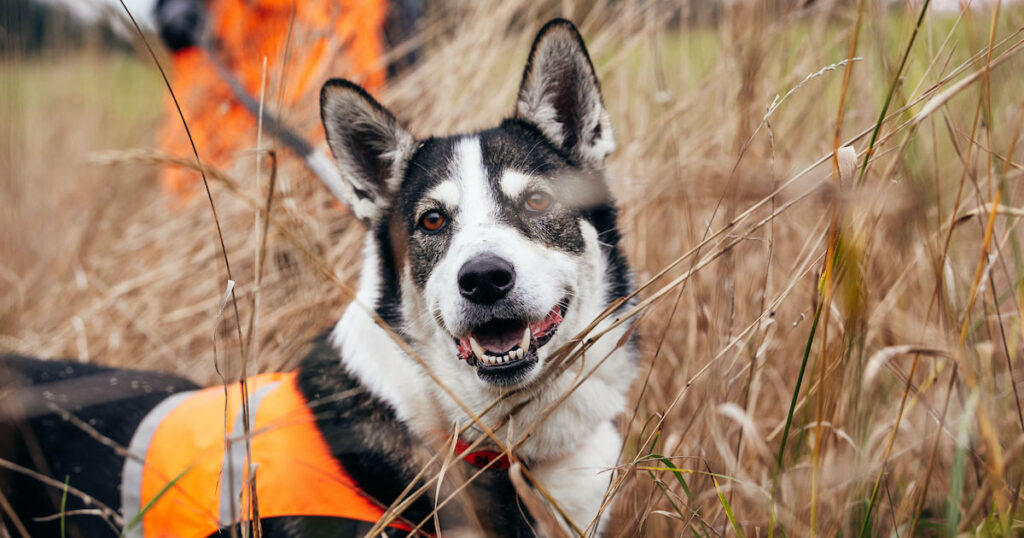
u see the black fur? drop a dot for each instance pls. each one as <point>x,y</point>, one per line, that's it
<point>517,145</point>
<point>429,165</point>
<point>362,431</point>
<point>604,219</point>
<point>389,306</point>
<point>111,401</point>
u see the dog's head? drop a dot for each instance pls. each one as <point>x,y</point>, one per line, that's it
<point>490,248</point>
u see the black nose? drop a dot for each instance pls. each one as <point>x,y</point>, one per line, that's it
<point>486,279</point>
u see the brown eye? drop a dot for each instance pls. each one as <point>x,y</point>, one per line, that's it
<point>538,201</point>
<point>433,221</point>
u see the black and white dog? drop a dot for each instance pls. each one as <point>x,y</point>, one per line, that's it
<point>484,254</point>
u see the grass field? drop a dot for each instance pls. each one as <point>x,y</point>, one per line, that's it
<point>822,355</point>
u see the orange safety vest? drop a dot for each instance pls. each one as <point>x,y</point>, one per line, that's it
<point>190,479</point>
<point>304,44</point>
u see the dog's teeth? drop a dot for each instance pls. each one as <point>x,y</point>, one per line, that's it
<point>524,345</point>
<point>505,358</point>
<point>519,353</point>
<point>477,350</point>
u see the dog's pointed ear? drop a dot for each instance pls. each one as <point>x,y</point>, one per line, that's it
<point>369,145</point>
<point>561,96</point>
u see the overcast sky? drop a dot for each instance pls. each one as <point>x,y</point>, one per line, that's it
<point>142,10</point>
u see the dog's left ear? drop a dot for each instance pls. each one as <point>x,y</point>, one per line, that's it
<point>561,96</point>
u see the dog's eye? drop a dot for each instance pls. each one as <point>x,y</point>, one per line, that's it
<point>433,221</point>
<point>538,201</point>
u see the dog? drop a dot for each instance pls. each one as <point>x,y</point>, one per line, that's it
<point>485,255</point>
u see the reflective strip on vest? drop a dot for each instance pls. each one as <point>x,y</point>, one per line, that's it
<point>131,477</point>
<point>234,460</point>
<point>188,477</point>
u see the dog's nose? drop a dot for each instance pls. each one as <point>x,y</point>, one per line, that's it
<point>487,279</point>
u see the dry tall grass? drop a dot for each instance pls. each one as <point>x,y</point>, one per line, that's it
<point>891,297</point>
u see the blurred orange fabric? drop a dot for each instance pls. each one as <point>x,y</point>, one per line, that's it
<point>330,38</point>
<point>185,464</point>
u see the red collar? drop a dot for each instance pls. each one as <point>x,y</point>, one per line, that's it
<point>482,458</point>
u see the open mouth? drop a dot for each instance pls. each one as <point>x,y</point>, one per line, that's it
<point>502,348</point>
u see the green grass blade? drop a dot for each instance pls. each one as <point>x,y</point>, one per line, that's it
<point>677,472</point>
<point>891,92</point>
<point>667,494</point>
<point>956,480</point>
<point>796,389</point>
<point>64,506</point>
<point>725,504</point>
<point>142,513</point>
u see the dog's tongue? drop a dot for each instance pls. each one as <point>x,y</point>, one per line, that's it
<point>500,336</point>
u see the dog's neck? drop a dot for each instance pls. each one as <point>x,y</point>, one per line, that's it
<point>372,355</point>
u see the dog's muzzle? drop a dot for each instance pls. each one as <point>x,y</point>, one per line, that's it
<point>504,350</point>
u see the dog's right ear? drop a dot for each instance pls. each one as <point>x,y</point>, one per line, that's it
<point>369,145</point>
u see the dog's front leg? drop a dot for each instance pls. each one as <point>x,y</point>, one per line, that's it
<point>578,480</point>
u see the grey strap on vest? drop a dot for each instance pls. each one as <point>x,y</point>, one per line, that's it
<point>131,476</point>
<point>234,459</point>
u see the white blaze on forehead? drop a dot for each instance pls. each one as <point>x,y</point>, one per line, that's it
<point>478,207</point>
<point>513,183</point>
<point>446,192</point>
